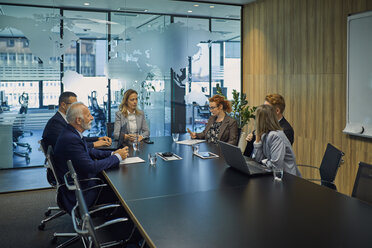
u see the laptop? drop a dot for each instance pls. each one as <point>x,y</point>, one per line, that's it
<point>234,158</point>
<point>115,144</point>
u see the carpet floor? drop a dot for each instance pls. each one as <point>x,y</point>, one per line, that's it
<point>23,179</point>
<point>21,213</point>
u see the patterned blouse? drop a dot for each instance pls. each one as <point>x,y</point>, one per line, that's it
<point>213,132</point>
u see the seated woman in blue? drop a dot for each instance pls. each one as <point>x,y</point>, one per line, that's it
<point>272,146</point>
<point>129,120</point>
<point>220,126</point>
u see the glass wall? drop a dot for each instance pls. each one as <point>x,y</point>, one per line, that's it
<point>29,80</point>
<point>173,62</point>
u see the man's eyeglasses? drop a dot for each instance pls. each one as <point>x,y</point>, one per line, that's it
<point>211,107</point>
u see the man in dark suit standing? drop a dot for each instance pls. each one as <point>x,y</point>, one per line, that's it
<point>58,122</point>
<point>88,162</point>
<point>277,101</point>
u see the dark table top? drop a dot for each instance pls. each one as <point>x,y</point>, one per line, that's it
<point>197,202</point>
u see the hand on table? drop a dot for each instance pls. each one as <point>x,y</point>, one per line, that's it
<point>122,152</point>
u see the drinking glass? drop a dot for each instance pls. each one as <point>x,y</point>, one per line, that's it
<point>136,144</point>
<point>175,136</point>
<point>195,149</point>
<point>278,173</point>
<point>152,158</point>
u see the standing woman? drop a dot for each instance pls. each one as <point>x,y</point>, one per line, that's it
<point>272,146</point>
<point>130,120</point>
<point>220,126</point>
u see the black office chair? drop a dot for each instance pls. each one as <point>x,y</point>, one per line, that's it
<point>63,210</point>
<point>81,217</point>
<point>18,132</point>
<point>52,179</point>
<point>363,183</point>
<point>98,113</point>
<point>328,168</point>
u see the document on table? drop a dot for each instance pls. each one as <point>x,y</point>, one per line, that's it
<point>190,142</point>
<point>132,160</point>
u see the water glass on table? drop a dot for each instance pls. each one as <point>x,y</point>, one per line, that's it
<point>278,174</point>
<point>136,144</point>
<point>195,148</point>
<point>175,136</point>
<point>152,158</point>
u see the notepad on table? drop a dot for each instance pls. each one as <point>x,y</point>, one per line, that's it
<point>190,142</point>
<point>132,160</point>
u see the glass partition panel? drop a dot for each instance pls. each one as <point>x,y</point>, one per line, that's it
<point>137,55</point>
<point>84,64</point>
<point>226,56</point>
<point>197,88</point>
<point>30,49</point>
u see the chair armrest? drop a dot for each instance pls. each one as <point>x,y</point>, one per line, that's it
<point>103,207</point>
<point>111,222</point>
<point>308,166</point>
<point>92,179</point>
<point>68,185</point>
<point>95,187</point>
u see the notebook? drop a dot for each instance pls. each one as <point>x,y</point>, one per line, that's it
<point>234,158</point>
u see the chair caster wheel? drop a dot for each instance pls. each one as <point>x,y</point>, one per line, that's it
<point>47,213</point>
<point>41,226</point>
<point>54,240</point>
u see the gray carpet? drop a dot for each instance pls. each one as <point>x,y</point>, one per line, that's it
<point>23,179</point>
<point>21,214</point>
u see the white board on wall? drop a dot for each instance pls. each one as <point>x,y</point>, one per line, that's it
<point>359,75</point>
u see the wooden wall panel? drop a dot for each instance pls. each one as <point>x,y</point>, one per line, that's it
<point>297,48</point>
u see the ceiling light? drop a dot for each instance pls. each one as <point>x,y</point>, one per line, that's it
<point>196,5</point>
<point>190,11</point>
<point>86,4</point>
<point>145,10</point>
<point>211,6</point>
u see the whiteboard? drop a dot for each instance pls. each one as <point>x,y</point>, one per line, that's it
<point>359,75</point>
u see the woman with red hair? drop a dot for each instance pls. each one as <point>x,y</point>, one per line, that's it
<point>220,125</point>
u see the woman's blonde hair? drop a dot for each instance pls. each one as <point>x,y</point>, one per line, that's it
<point>123,107</point>
<point>266,120</point>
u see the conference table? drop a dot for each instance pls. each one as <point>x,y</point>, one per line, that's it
<point>195,202</point>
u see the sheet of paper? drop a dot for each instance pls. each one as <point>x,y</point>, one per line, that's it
<point>190,142</point>
<point>132,160</point>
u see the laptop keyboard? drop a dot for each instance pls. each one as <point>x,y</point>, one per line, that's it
<point>255,166</point>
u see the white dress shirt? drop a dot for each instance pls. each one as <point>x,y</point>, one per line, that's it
<point>132,123</point>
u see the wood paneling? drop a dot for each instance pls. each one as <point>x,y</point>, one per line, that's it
<point>297,48</point>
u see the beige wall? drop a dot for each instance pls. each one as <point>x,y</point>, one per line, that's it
<point>297,48</point>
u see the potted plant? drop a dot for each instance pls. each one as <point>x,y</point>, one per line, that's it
<point>241,111</point>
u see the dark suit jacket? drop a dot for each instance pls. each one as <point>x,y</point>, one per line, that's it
<point>88,162</point>
<point>228,130</point>
<point>54,127</point>
<point>287,129</point>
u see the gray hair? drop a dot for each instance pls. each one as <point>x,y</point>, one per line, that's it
<point>74,111</point>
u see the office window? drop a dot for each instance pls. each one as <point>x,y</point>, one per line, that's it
<point>10,43</point>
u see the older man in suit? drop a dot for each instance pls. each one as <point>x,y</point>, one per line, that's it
<point>88,162</point>
<point>58,122</point>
